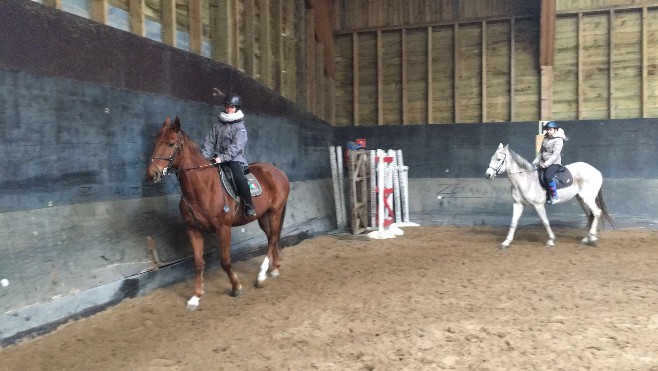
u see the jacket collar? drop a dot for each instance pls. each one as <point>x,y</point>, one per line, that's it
<point>229,118</point>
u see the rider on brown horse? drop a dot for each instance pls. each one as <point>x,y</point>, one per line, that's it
<point>225,144</point>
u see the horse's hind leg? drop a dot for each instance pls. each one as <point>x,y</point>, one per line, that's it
<point>196,240</point>
<point>588,213</point>
<point>224,236</point>
<point>264,223</point>
<point>271,224</point>
<point>595,215</point>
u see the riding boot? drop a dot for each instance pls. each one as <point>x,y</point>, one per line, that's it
<point>552,189</point>
<point>245,194</point>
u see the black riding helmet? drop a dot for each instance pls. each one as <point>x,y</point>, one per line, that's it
<point>233,100</point>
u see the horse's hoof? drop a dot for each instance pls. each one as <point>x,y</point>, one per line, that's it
<point>550,244</point>
<point>260,283</point>
<point>193,303</point>
<point>274,273</point>
<point>504,245</point>
<point>589,241</point>
<point>236,292</point>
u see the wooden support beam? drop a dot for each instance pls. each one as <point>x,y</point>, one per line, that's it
<point>319,81</point>
<point>57,4</point>
<point>611,44</point>
<point>98,11</point>
<point>546,93</point>
<point>265,34</point>
<point>547,33</point>
<point>430,95</point>
<point>278,39</point>
<point>310,61</point>
<point>645,67</point>
<point>332,99</point>
<point>546,57</point>
<point>169,22</point>
<point>512,68</point>
<point>355,77</point>
<point>403,60</point>
<point>483,84</point>
<point>296,27</point>
<point>455,77</point>
<point>380,81</point>
<point>579,71</point>
<point>248,38</point>
<point>195,25</point>
<point>136,17</point>
<point>223,33</point>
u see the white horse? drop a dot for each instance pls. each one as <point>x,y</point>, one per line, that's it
<point>526,190</point>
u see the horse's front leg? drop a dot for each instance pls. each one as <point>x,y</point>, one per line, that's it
<point>224,236</point>
<point>517,211</point>
<point>196,239</point>
<point>541,211</point>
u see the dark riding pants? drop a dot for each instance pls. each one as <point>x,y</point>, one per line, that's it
<point>241,183</point>
<point>548,173</point>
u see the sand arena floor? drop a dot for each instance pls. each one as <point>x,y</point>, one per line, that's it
<point>435,298</point>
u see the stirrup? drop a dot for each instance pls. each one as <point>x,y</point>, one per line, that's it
<point>249,210</point>
<point>552,200</point>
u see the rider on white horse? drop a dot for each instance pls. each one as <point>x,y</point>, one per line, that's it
<point>549,159</point>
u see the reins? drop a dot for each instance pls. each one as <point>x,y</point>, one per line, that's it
<point>166,171</point>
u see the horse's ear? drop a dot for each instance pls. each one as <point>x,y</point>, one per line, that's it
<point>176,125</point>
<point>500,146</point>
<point>167,122</point>
<point>507,146</point>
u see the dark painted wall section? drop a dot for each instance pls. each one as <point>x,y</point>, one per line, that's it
<point>80,103</point>
<point>49,42</point>
<point>618,148</point>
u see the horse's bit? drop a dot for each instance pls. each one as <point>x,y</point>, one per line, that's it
<point>502,162</point>
<point>171,158</point>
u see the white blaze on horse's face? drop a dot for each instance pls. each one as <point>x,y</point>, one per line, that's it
<point>497,163</point>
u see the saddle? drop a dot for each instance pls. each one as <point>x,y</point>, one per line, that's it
<point>226,177</point>
<point>563,178</point>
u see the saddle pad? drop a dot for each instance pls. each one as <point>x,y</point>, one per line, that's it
<point>563,178</point>
<point>254,185</point>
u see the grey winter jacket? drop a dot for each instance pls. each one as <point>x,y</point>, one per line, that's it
<point>551,149</point>
<point>227,139</point>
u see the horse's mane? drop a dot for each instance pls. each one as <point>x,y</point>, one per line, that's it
<point>525,164</point>
<point>194,146</point>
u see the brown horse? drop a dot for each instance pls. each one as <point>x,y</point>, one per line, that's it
<point>206,207</point>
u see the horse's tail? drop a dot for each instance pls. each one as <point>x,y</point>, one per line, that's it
<point>283,217</point>
<point>604,210</point>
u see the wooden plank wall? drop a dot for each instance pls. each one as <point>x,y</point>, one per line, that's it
<point>606,61</point>
<point>469,61</point>
<point>258,37</point>
<point>471,72</point>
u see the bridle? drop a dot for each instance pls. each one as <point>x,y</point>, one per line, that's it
<point>165,170</point>
<point>502,162</point>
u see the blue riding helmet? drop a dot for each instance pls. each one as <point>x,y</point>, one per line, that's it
<point>551,125</point>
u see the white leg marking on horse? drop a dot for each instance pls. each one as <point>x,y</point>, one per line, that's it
<point>262,274</point>
<point>193,303</point>
<point>274,273</point>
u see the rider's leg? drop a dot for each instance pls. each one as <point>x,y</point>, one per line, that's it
<point>242,187</point>
<point>550,182</point>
